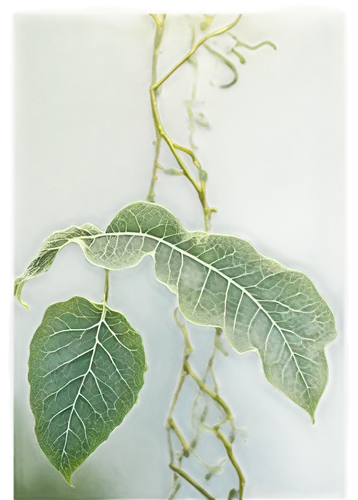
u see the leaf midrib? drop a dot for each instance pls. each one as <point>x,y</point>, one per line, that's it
<point>103,315</point>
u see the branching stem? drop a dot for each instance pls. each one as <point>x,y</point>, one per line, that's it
<point>195,48</point>
<point>200,188</point>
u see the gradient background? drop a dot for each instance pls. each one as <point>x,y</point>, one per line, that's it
<point>275,158</point>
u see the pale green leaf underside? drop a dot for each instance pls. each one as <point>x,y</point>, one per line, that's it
<point>86,369</point>
<point>223,281</point>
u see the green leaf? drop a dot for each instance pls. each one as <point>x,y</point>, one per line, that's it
<point>86,369</point>
<point>222,281</point>
<point>47,254</point>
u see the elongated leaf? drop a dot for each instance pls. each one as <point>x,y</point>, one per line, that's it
<point>224,282</point>
<point>86,368</point>
<point>47,254</point>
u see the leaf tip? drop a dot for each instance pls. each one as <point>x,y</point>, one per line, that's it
<point>67,478</point>
<point>18,286</point>
<point>26,306</point>
<point>313,419</point>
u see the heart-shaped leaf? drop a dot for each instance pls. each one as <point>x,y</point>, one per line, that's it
<point>86,369</point>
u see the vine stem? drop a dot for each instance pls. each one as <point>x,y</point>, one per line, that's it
<point>170,423</point>
<point>228,447</point>
<point>160,135</point>
<point>200,188</point>
<point>195,48</point>
<point>106,287</point>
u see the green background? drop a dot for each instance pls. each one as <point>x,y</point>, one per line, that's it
<point>275,158</point>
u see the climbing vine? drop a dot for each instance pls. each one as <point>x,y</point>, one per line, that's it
<point>87,363</point>
<point>200,185</point>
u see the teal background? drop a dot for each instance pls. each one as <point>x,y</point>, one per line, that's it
<point>275,158</point>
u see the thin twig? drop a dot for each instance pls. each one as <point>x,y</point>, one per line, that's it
<point>195,48</point>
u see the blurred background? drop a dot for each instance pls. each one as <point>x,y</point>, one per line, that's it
<point>274,154</point>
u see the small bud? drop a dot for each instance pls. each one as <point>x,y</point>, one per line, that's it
<point>203,175</point>
<point>201,115</point>
<point>207,22</point>
<point>204,26</point>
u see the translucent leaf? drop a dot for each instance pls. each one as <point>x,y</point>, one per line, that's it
<point>222,281</point>
<point>86,369</point>
<point>47,254</point>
